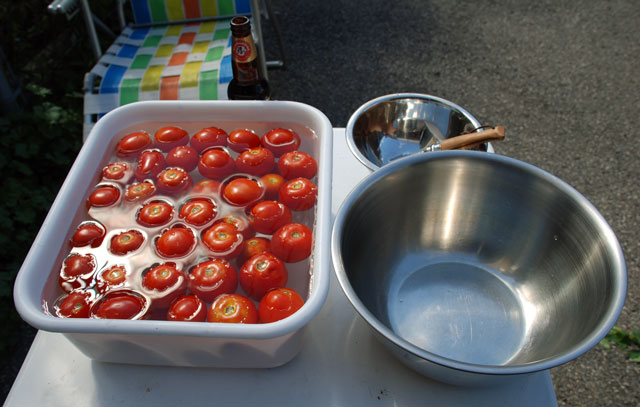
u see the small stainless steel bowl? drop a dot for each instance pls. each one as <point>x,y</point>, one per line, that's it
<point>394,126</point>
<point>471,267</point>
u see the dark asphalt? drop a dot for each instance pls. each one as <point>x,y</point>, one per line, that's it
<point>561,76</point>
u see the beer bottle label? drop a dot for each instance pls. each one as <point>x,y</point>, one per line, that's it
<point>243,49</point>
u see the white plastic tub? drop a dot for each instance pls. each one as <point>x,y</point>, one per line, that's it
<point>155,342</point>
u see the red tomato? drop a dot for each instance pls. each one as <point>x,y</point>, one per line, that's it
<point>278,304</point>
<point>169,137</point>
<point>272,184</point>
<point>88,233</point>
<point>256,161</point>
<point>299,194</point>
<point>126,242</point>
<point>105,195</point>
<point>140,190</point>
<point>253,246</point>
<point>216,163</point>
<point>184,157</point>
<point>173,180</point>
<point>242,191</point>
<point>76,304</point>
<point>120,304</point>
<point>77,271</point>
<point>211,278</point>
<point>208,137</point>
<point>233,308</point>
<point>176,242</point>
<point>164,283</point>
<point>115,171</point>
<point>267,216</point>
<point>295,164</point>
<point>280,141</point>
<point>241,223</point>
<point>150,163</point>
<point>155,213</point>
<point>223,240</point>
<point>132,144</point>
<point>198,211</point>
<point>292,242</point>
<point>206,187</point>
<point>261,273</point>
<point>243,139</point>
<point>113,277</point>
<point>187,308</point>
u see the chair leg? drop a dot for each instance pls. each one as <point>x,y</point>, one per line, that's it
<point>276,28</point>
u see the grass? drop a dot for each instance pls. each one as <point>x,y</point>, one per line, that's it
<point>624,340</point>
<point>49,56</point>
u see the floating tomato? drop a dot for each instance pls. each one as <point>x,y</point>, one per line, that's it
<point>121,304</point>
<point>155,213</point>
<point>140,190</point>
<point>76,304</point>
<point>184,157</point>
<point>243,139</point>
<point>292,242</point>
<point>164,283</point>
<point>133,144</point>
<point>170,137</point>
<point>208,137</point>
<point>88,233</point>
<point>223,240</point>
<point>104,195</point>
<point>278,304</point>
<point>299,194</point>
<point>233,308</point>
<point>150,163</point>
<point>257,161</point>
<point>267,216</point>
<point>173,180</point>
<point>198,211</point>
<point>115,171</point>
<point>261,273</point>
<point>216,163</point>
<point>126,242</point>
<point>242,191</point>
<point>176,242</point>
<point>211,278</point>
<point>187,308</point>
<point>295,164</point>
<point>280,141</point>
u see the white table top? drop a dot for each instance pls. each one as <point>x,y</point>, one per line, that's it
<point>341,363</point>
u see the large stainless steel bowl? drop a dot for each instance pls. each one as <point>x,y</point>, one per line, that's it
<point>472,266</point>
<point>400,124</point>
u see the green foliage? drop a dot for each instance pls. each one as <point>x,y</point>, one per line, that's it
<point>629,341</point>
<point>37,149</point>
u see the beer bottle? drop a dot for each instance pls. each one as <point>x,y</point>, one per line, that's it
<point>247,82</point>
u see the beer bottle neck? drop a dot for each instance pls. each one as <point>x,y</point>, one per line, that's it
<point>245,60</point>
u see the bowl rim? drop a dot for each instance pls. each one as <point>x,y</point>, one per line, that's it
<point>351,143</point>
<point>605,325</point>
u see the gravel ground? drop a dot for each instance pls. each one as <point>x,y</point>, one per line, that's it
<point>561,76</point>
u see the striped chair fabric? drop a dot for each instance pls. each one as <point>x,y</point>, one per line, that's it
<point>165,56</point>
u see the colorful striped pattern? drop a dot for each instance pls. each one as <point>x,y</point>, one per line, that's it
<point>187,61</point>
<point>182,61</point>
<point>162,11</point>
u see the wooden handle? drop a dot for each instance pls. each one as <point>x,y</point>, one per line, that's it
<point>473,139</point>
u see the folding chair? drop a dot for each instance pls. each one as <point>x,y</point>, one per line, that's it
<point>174,49</point>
